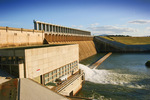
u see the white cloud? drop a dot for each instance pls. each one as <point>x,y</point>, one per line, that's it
<point>75,26</point>
<point>111,30</point>
<point>148,28</point>
<point>95,24</point>
<point>140,22</point>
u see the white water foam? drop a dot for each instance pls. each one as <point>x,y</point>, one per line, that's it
<point>110,77</point>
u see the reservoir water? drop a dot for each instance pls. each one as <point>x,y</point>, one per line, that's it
<point>120,77</point>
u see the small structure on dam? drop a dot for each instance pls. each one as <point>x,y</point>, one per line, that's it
<point>57,29</point>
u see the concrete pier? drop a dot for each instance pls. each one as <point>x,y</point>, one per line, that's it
<point>96,64</point>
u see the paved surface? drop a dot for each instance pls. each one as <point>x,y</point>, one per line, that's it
<point>30,90</point>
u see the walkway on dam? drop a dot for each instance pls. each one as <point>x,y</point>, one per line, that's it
<point>97,63</point>
<point>71,79</point>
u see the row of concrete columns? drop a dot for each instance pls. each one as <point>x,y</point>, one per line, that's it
<point>58,29</point>
<point>65,38</point>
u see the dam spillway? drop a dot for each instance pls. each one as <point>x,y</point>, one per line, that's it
<point>123,76</point>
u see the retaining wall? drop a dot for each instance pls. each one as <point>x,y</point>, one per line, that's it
<point>19,36</point>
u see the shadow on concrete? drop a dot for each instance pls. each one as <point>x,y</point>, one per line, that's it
<point>45,41</point>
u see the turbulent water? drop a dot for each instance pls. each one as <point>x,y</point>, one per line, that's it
<point>109,77</point>
<point>120,77</point>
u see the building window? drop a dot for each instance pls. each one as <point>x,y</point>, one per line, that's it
<point>50,78</point>
<point>46,75</point>
<point>54,71</point>
<point>57,70</point>
<point>44,27</point>
<point>57,75</point>
<point>64,70</point>
<point>46,80</point>
<point>39,26</point>
<point>54,76</point>
<point>51,73</point>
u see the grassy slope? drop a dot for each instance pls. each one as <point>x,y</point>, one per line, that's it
<point>130,40</point>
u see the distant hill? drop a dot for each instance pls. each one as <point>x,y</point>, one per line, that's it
<point>103,35</point>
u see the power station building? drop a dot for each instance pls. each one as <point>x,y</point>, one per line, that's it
<point>44,64</point>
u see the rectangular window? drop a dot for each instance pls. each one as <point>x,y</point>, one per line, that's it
<point>54,76</point>
<point>54,29</point>
<point>57,74</point>
<point>39,26</point>
<point>60,69</point>
<point>50,28</point>
<point>47,28</point>
<point>3,59</point>
<point>46,75</point>
<point>57,70</point>
<point>44,27</point>
<point>54,71</point>
<point>46,80</point>
<point>66,66</point>
<point>50,78</point>
<point>50,74</point>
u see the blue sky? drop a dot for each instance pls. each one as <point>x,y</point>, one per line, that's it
<point>125,17</point>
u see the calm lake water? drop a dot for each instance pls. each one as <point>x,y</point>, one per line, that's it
<point>120,77</point>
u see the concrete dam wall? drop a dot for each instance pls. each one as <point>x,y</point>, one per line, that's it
<point>86,44</point>
<point>86,48</point>
<point>11,37</point>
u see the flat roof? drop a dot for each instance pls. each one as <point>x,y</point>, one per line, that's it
<point>27,89</point>
<point>31,47</point>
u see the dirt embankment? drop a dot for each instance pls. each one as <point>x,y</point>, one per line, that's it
<point>115,45</point>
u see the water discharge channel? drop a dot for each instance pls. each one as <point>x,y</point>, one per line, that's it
<point>119,77</point>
